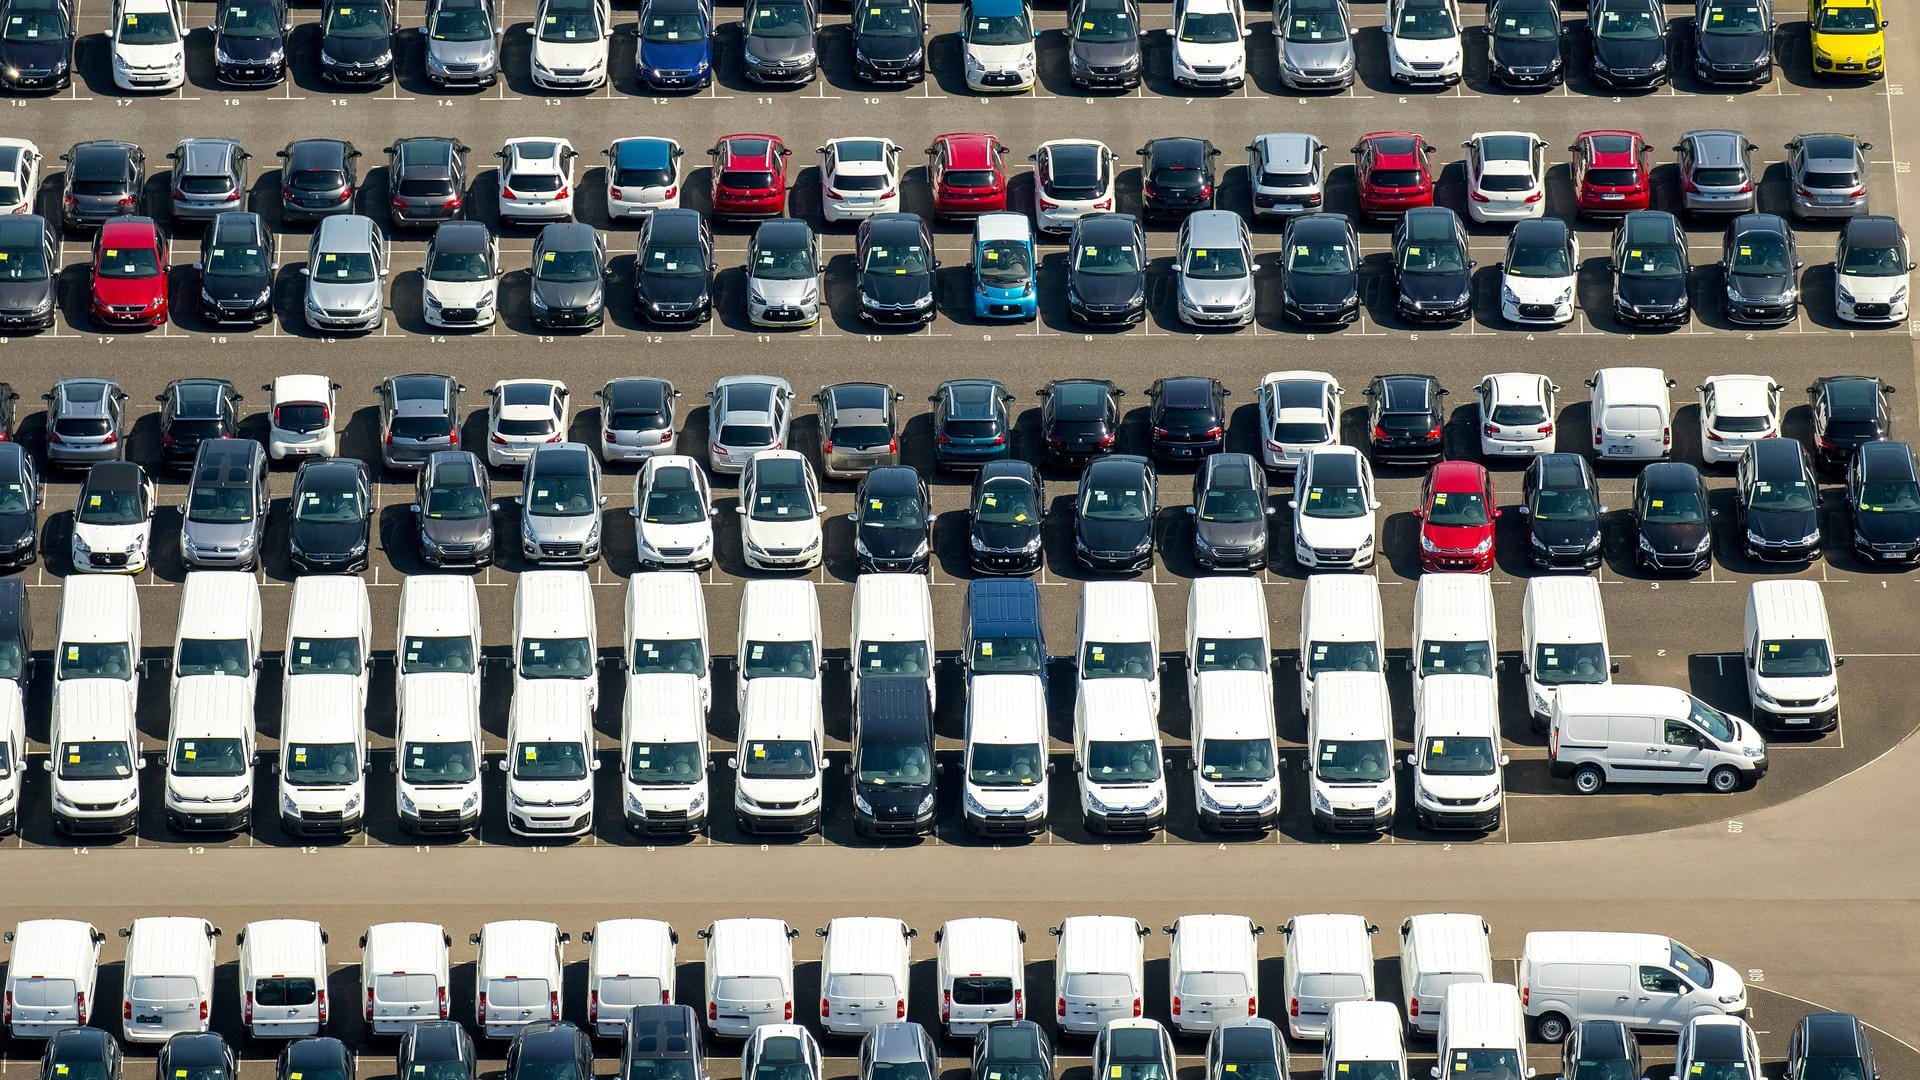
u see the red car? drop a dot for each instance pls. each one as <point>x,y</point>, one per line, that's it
<point>1390,168</point>
<point>1610,173</point>
<point>129,274</point>
<point>749,176</point>
<point>964,168</point>
<point>1457,511</point>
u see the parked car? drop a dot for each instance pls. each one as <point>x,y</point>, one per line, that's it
<point>332,517</point>
<point>1230,512</point>
<point>453,510</point>
<point>1006,512</point>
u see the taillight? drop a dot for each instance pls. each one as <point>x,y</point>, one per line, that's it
<point>825,1008</point>
<point>112,437</point>
<point>1666,436</point>
<point>713,1011</point>
<point>453,437</point>
<point>204,1010</point>
<point>1596,437</point>
<point>79,1006</point>
<point>943,439</point>
<point>498,438</point>
<point>1477,197</point>
<point>1042,201</point>
<point>1060,1006</point>
<point>787,1014</point>
<point>1103,204</point>
<point>593,1006</point>
<point>6,1010</point>
<point>323,1008</point>
<point>126,202</point>
<point>946,1005</point>
<point>1161,433</point>
<point>398,203</point>
<point>1491,430</point>
<point>1176,1005</point>
<point>126,1010</point>
<point>553,1005</point>
<point>443,1003</point>
<point>834,193</point>
<point>1000,440</point>
<point>1746,187</point>
<point>1857,192</point>
<point>1019,1004</point>
<point>1107,439</point>
<point>1689,186</point>
<point>345,197</point>
<point>507,193</point>
<point>369,1009</point>
<point>1293,1006</point>
<point>563,193</point>
<point>480,1009</point>
<point>1434,432</point>
<point>558,436</point>
<point>666,997</point>
<point>612,437</point>
<point>1379,432</point>
<point>889,193</point>
<point>893,445</point>
<point>72,200</point>
<point>900,1008</point>
<point>389,437</point>
<point>1525,993</point>
<point>246,1008</point>
<point>671,192</point>
<point>1545,429</point>
<point>452,203</point>
<point>1216,432</point>
<point>1714,436</point>
<point>1413,1007</point>
<point>826,446</point>
<point>1136,1007</point>
<point>614,193</point>
<point>1253,1006</point>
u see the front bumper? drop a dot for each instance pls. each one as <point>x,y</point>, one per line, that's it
<point>1320,314</point>
<point>1653,317</point>
<point>1778,312</point>
<point>1776,720</point>
<point>1733,74</point>
<point>565,822</point>
<point>440,822</point>
<point>897,316</point>
<point>1225,821</point>
<point>1565,557</point>
<point>1127,821</point>
<point>796,75</point>
<point>1440,562</point>
<point>1107,314</point>
<point>313,563</point>
<point>1353,821</point>
<point>1635,79</point>
<point>1469,820</point>
<point>1788,552</point>
<point>97,825</point>
<point>181,819</point>
<point>990,825</point>
<point>918,825</point>
<point>778,824</point>
<point>1113,562</point>
<point>333,824</point>
<point>664,823</point>
<point>357,74</point>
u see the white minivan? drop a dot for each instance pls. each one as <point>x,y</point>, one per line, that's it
<point>1236,762</point>
<point>1457,760</point>
<point>630,963</point>
<point>323,757</point>
<point>330,634</point>
<point>209,786</point>
<point>749,975</point>
<point>1563,641</point>
<point>1116,755</point>
<point>1341,629</point>
<point>218,630</point>
<point>283,978</point>
<point>550,760</point>
<point>438,638</point>
<point>663,754</point>
<point>981,967</point>
<point>1636,734</point>
<point>1793,679</point>
<point>555,635</point>
<point>780,766</point>
<point>95,759</point>
<point>1632,413</point>
<point>1213,971</point>
<point>1350,753</point>
<point>51,973</point>
<point>779,635</point>
<point>167,977</point>
<point>1004,787</point>
<point>1329,960</point>
<point>863,971</point>
<point>1483,1032</point>
<point>436,769</point>
<point>1649,982</point>
<point>97,634</point>
<point>1453,631</point>
<point>1227,629</point>
<point>1437,951</point>
<point>1118,636</point>
<point>404,974</point>
<point>1098,971</point>
<point>517,980</point>
<point>667,629</point>
<point>892,631</point>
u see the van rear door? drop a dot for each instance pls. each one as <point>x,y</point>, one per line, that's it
<point>616,994</point>
<point>1093,998</point>
<point>166,1003</point>
<point>977,999</point>
<point>1317,995</point>
<point>1207,998</point>
<point>517,1001</point>
<point>749,999</point>
<point>861,1001</point>
<point>1431,994</point>
<point>403,996</point>
<point>281,1003</point>
<point>40,1001</point>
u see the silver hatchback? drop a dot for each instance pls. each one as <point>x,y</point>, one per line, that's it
<point>747,414</point>
<point>346,271</point>
<point>858,429</point>
<point>1287,173</point>
<point>1829,175</point>
<point>86,422</point>
<point>1214,269</point>
<point>1716,173</point>
<point>209,177</point>
<point>560,505</point>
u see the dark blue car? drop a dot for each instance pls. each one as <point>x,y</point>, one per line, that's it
<point>1005,635</point>
<point>676,44</point>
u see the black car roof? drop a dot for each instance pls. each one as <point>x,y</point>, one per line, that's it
<point>892,480</point>
<point>1652,227</point>
<point>1561,471</point>
<point>638,394</point>
<point>336,473</point>
<point>1670,476</point>
<point>196,1048</point>
<point>1540,231</point>
<point>1777,456</point>
<point>1886,460</point>
<point>421,386</point>
<point>1833,1034</point>
<point>1873,230</point>
<point>1852,396</point>
<point>1337,470</point>
<point>1105,229</point>
<point>114,478</point>
<point>236,226</point>
<point>674,226</point>
<point>1004,469</point>
<point>657,1031</point>
<point>323,1050</point>
<point>436,1040</point>
<point>1118,469</point>
<point>1179,151</point>
<point>23,231</point>
<point>1406,393</point>
<point>1085,399</point>
<point>783,233</point>
<point>1186,392</point>
<point>12,457</point>
<point>199,399</point>
<point>1603,1037</point>
<point>1319,227</point>
<point>971,399</point>
<point>1015,1041</point>
<point>1751,223</point>
<point>548,1041</point>
<point>894,228</point>
<point>99,158</point>
<point>1431,223</point>
<point>1718,1042</point>
<point>461,237</point>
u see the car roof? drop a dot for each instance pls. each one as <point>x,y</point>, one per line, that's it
<point>535,151</point>
<point>1873,229</point>
<point>1887,459</point>
<point>1459,476</point>
<point>972,399</point>
<point>1777,453</point>
<point>1407,393</point>
<point>1106,228</point>
<point>674,226</point>
<point>22,230</point>
<point>1287,150</point>
<point>461,236</point>
<point>1541,230</point>
<point>1003,469</point>
<point>748,151</point>
<point>859,395</point>
<point>638,392</point>
<point>896,228</point>
<point>1717,148</point>
<point>1829,147</point>
<point>1187,392</point>
<point>1431,223</point>
<point>527,391</point>
<point>199,399</point>
<point>237,226</point>
<point>114,477</point>
<point>1075,153</point>
<point>569,235</point>
<point>345,230</point>
<point>429,157</point>
<point>892,480</point>
<point>1322,226</point>
<point>1852,394</point>
<point>130,232</point>
<point>1750,223</point>
<point>1179,150</point>
<point>1394,149</point>
<point>1117,469</point>
<point>413,390</point>
<point>1561,470</point>
<point>1330,466</point>
<point>1670,476</point>
<point>644,153</point>
<point>1652,226</point>
<point>1833,1034</point>
<point>1081,396</point>
<point>84,390</point>
<point>1001,225</point>
<point>1213,228</point>
<point>316,154</point>
<point>99,156</point>
<point>783,233</point>
<point>1613,148</point>
<point>968,149</point>
<point>201,157</point>
<point>333,472</point>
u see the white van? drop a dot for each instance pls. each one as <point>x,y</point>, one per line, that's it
<point>1792,673</point>
<point>168,977</point>
<point>330,633</point>
<point>981,966</point>
<point>13,757</point>
<point>1453,630</point>
<point>1649,982</point>
<point>1563,641</point>
<point>749,975</point>
<point>1340,629</point>
<point>218,631</point>
<point>555,635</point>
<point>438,638</point>
<point>1118,636</point>
<point>1005,782</point>
<point>1632,413</point>
<point>436,769</point>
<point>1350,752</point>
<point>283,978</point>
<point>780,767</point>
<point>892,630</point>
<point>210,751</point>
<point>1637,734</point>
<point>517,980</point>
<point>1098,971</point>
<point>667,629</point>
<point>95,759</point>
<point>1437,951</point>
<point>1329,960</point>
<point>1458,764</point>
<point>404,975</point>
<point>323,758</point>
<point>779,635</point>
<point>630,963</point>
<point>1236,763</point>
<point>1364,1040</point>
<point>97,635</point>
<point>1213,970</point>
<point>1116,755</point>
<point>863,970</point>
<point>51,973</point>
<point>1483,1032</point>
<point>1227,629</point>
<point>550,760</point>
<point>663,754</point>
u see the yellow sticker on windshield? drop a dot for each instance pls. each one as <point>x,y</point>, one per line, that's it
<point>1117,1071</point>
<point>3,256</point>
<point>1313,496</point>
<point>113,253</point>
<point>133,20</point>
<point>300,755</point>
<point>1440,499</point>
<point>1202,253</point>
<point>1021,516</point>
<point>1413,251</point>
<point>533,753</point>
<point>875,504</point>
<point>899,271</point>
<point>73,654</point>
<point>1746,251</point>
<point>190,755</point>
<point>986,648</point>
<point>548,257</point>
<point>759,750</point>
<point>1086,25</point>
<point>1658,503</point>
<point>1634,254</point>
<point>329,257</point>
<point>1697,1068</point>
<point>1459,1066</point>
<point>93,500</point>
<point>1773,646</point>
<point>73,757</point>
<point>1099,654</point>
<point>993,256</point>
<point>1437,746</point>
<point>1231,1067</point>
<point>59,1070</point>
<point>1343,1066</point>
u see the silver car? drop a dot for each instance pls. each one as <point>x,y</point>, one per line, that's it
<point>225,516</point>
<point>1315,41</point>
<point>858,429</point>
<point>783,274</point>
<point>1716,173</point>
<point>419,414</point>
<point>1215,270</point>
<point>1829,175</point>
<point>345,271</point>
<point>746,414</point>
<point>1286,173</point>
<point>86,421</point>
<point>463,42</point>
<point>209,177</point>
<point>560,505</point>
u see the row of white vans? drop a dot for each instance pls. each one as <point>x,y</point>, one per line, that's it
<point>1600,731</point>
<point>1647,981</point>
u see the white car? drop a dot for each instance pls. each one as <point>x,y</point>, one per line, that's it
<point>1209,43</point>
<point>570,40</point>
<point>460,280</point>
<point>1333,510</point>
<point>1716,1047</point>
<point>1514,414</point>
<point>673,514</point>
<point>1299,411</point>
<point>19,176</point>
<point>1423,42</point>
<point>1071,179</point>
<point>1871,268</point>
<point>643,175</point>
<point>536,180</point>
<point>996,45</point>
<point>780,512</point>
<point>1540,275</point>
<point>301,417</point>
<point>859,178</point>
<point>148,41</point>
<point>114,519</point>
<point>1736,410</point>
<point>1506,175</point>
<point>523,414</point>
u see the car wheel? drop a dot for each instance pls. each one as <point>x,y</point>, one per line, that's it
<point>1587,780</point>
<point>1551,1027</point>
<point>1724,780</point>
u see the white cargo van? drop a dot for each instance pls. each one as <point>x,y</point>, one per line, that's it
<point>167,977</point>
<point>1632,413</point>
<point>667,629</point>
<point>1350,753</point>
<point>95,758</point>
<point>1793,679</point>
<point>210,751</point>
<point>863,969</point>
<point>630,963</point>
<point>97,635</point>
<point>1563,641</point>
<point>1116,754</point>
<point>218,631</point>
<point>555,638</point>
<point>1118,636</point>
<point>438,638</point>
<point>1649,982</point>
<point>1340,629</point>
<point>404,973</point>
<point>779,635</point>
<point>1635,734</point>
<point>323,758</point>
<point>1236,763</point>
<point>550,760</point>
<point>1213,970</point>
<point>51,974</point>
<point>892,630</point>
<point>1437,951</point>
<point>1227,629</point>
<point>330,633</point>
<point>981,966</point>
<point>1453,628</point>
<point>1482,1033</point>
<point>749,975</point>
<point>438,761</point>
<point>283,978</point>
<point>1458,764</point>
<point>517,978</point>
<point>1329,960</point>
<point>1005,783</point>
<point>1364,1042</point>
<point>663,754</point>
<point>1098,971</point>
<point>780,766</point>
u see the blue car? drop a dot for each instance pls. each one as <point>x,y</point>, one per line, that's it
<point>676,44</point>
<point>1003,267</point>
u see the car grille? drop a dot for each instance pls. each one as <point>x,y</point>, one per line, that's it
<point>1457,802</point>
<point>1335,555</point>
<point>675,553</point>
<point>783,314</point>
<point>1003,309</point>
<point>439,817</point>
<point>1568,549</point>
<point>1426,66</point>
<point>343,315</point>
<point>323,817</point>
<point>126,309</point>
<point>1216,309</point>
<point>1798,703</point>
<point>777,805</point>
<point>560,551</point>
<point>1209,70</point>
<point>1125,820</point>
<point>1536,311</point>
<point>1229,552</point>
<point>782,553</point>
<point>1873,311</point>
<point>461,69</point>
<point>107,559</point>
<point>1734,69</point>
<point>1106,70</point>
<point>1000,78</point>
<point>94,807</point>
<point>459,315</point>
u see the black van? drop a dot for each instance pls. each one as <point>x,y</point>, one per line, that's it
<point>893,768</point>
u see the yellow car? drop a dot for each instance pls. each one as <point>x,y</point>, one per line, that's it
<point>1849,37</point>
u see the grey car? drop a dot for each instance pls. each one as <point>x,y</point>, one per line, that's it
<point>454,510</point>
<point>1315,40</point>
<point>29,272</point>
<point>900,1048</point>
<point>1230,512</point>
<point>426,180</point>
<point>318,178</point>
<point>225,516</point>
<point>858,429</point>
<point>783,274</point>
<point>209,178</point>
<point>638,418</point>
<point>1716,173</point>
<point>777,42</point>
<point>560,505</point>
<point>1287,173</point>
<point>86,422</point>
<point>345,271</point>
<point>1103,43</point>
<point>419,415</point>
<point>1829,175</point>
<point>105,178</point>
<point>1214,269</point>
<point>463,42</point>
<point>569,272</point>
<point>746,414</point>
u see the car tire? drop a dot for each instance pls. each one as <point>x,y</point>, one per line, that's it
<point>1724,780</point>
<point>1551,1027</point>
<point>1587,780</point>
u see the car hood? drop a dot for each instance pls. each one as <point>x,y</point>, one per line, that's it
<point>782,534</point>
<point>672,54</point>
<point>895,288</point>
<point>1101,535</point>
<point>549,792</point>
<point>218,534</point>
<point>1435,288</point>
<point>783,290</point>
<point>890,543</point>
<point>247,49</point>
<point>216,788</point>
<point>1900,527</point>
<point>1242,533</point>
<point>1324,532</point>
<point>356,296</point>
<point>1322,288</point>
<point>568,294</point>
<point>665,289</point>
<point>694,535</point>
<point>130,290</point>
<point>892,800</point>
<point>1438,51</point>
<point>1782,524</point>
<point>1526,52</point>
<point>1003,536</point>
<point>324,537</point>
<point>1564,533</point>
<point>560,527</point>
<point>110,537</point>
<point>780,48</point>
<point>1667,538</point>
<point>1628,54</point>
<point>1761,286</point>
<point>24,295</point>
<point>1871,290</point>
<point>148,55</point>
<point>1317,54</point>
<point>462,52</point>
<point>457,530</point>
<point>1229,291</point>
<point>1223,54</point>
<point>1450,786</point>
<point>1109,288</point>
<point>1000,56</point>
<point>461,293</point>
<point>37,55</point>
<point>886,47</point>
<point>1106,53</point>
<point>356,50</point>
<point>1539,290</point>
<point>1456,537</point>
<point>570,54</point>
<point>1653,292</point>
<point>14,528</point>
<point>1733,48</point>
<point>231,286</point>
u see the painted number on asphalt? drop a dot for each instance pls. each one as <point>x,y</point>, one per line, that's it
<point>1736,828</point>
<point>1756,975</point>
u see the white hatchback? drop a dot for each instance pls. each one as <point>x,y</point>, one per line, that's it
<point>1299,412</point>
<point>859,177</point>
<point>1071,179</point>
<point>300,417</point>
<point>1209,44</point>
<point>536,180</point>
<point>148,45</point>
<point>1515,414</point>
<point>1506,175</point>
<point>780,512</point>
<point>19,176</point>
<point>673,514</point>
<point>1333,510</point>
<point>570,44</point>
<point>1736,411</point>
<point>523,414</point>
<point>1423,42</point>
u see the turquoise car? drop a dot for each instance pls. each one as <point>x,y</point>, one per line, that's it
<point>1003,267</point>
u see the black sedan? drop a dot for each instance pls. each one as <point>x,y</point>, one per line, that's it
<point>36,44</point>
<point>356,41</point>
<point>1432,274</point>
<point>1673,525</point>
<point>196,1055</point>
<point>895,255</point>
<point>324,1056</point>
<point>1523,43</point>
<point>193,411</point>
<point>1230,512</point>
<point>1884,496</point>
<point>892,521</point>
<point>250,41</point>
<point>436,1050</point>
<point>1406,420</point>
<point>1849,411</point>
<point>1188,417</point>
<point>1176,176</point>
<point>1107,270</point>
<point>1629,43</point>
<point>1320,283</point>
<point>673,275</point>
<point>889,41</point>
<point>1114,515</point>
<point>332,516</point>
<point>20,498</point>
<point>1014,1048</point>
<point>1761,265</point>
<point>1561,502</point>
<point>1079,419</point>
<point>1004,518</point>
<point>236,270</point>
<point>550,1051</point>
<point>1650,265</point>
<point>1778,501</point>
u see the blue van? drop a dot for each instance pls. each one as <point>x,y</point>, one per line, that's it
<point>1005,635</point>
<point>1003,267</point>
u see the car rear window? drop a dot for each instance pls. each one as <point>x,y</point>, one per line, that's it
<point>421,427</point>
<point>281,990</point>
<point>736,178</point>
<point>982,990</point>
<point>1506,182</point>
<point>523,428</point>
<point>1345,987</point>
<point>411,987</point>
<point>44,993</point>
<point>1832,180</point>
<point>969,178</point>
<point>416,186</point>
<point>83,426</point>
<point>1395,178</point>
<point>745,435</point>
<point>534,182</point>
<point>205,185</point>
<point>1098,985</point>
<point>318,180</point>
<point>1613,177</point>
<point>747,988</point>
<point>1719,177</point>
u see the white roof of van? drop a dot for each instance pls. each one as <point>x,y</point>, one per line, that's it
<point>1209,941</point>
<point>1482,1015</point>
<point>864,937</point>
<point>554,603</point>
<point>1456,607</point>
<point>328,605</point>
<point>748,945</point>
<point>989,946</point>
<point>93,606</point>
<point>1632,385</point>
<point>50,947</point>
<point>1351,705</point>
<point>1007,709</point>
<point>1564,609</point>
<point>552,710</point>
<point>1559,946</point>
<point>664,601</point>
<point>324,707</point>
<point>790,595</point>
<point>284,945</point>
<point>1096,937</point>
<point>1638,698</point>
<point>408,946</point>
<point>1329,943</point>
<point>167,944</point>
<point>211,602</point>
<point>436,706</point>
<point>892,607</point>
<point>93,710</point>
<point>665,708</point>
<point>1228,607</point>
<point>210,706</point>
<point>1238,704</point>
<point>1449,941</point>
<point>1353,601</point>
<point>1459,705</point>
<point>646,944</point>
<point>1119,709</point>
<point>437,605</point>
<point>517,947</point>
<point>779,709</point>
<point>1118,610</point>
<point>1788,610</point>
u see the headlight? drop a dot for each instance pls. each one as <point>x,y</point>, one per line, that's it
<point>1899,296</point>
<point>1483,546</point>
<point>923,549</point>
<point>287,805</point>
<point>1660,65</point>
<point>1427,544</point>
<point>1594,543</point>
<point>537,301</point>
<point>433,302</point>
<point>697,803</point>
<point>1385,800</point>
<point>1540,702</point>
<point>353,803</point>
<point>471,802</point>
<point>926,805</point>
<point>811,545</point>
<point>1752,753</point>
<point>1031,545</point>
<point>1705,543</point>
<point>1765,698</point>
<point>406,804</point>
<point>1321,802</point>
<point>754,295</point>
<point>971,804</point>
<point>1845,294</point>
<point>633,802</point>
<point>325,58</point>
<point>1811,538</point>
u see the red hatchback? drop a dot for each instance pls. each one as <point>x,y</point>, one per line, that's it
<point>964,168</point>
<point>129,279</point>
<point>749,176</point>
<point>1390,168</point>
<point>1610,173</point>
<point>1457,511</point>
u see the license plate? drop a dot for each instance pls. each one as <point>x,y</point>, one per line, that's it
<point>1832,200</point>
<point>1620,450</point>
<point>1513,449</point>
<point>1797,719</point>
<point>1613,198</point>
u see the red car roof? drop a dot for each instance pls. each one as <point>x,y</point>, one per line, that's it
<point>968,149</point>
<point>1613,149</point>
<point>1395,149</point>
<point>1462,476</point>
<point>140,233</point>
<point>740,151</point>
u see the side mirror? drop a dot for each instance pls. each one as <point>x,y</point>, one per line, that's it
<point>1414,759</point>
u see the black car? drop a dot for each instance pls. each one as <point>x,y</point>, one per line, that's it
<point>318,177</point>
<point>1849,411</point>
<point>1760,263</point>
<point>319,1057</point>
<point>196,1055</point>
<point>356,41</point>
<point>436,1050</point>
<point>971,424</point>
<point>1733,42</point>
<point>1188,416</point>
<point>894,254</point>
<point>86,1053</point>
<point>1405,418</point>
<point>29,273</point>
<point>892,521</point>
<point>1432,275</point>
<point>1649,265</point>
<point>36,44</point>
<point>1079,419</point>
<point>1523,43</point>
<point>1600,1050</point>
<point>193,411</point>
<point>106,178</point>
<point>673,275</point>
<point>20,497</point>
<point>332,516</point>
<point>1246,1049</point>
<point>569,268</point>
<point>1830,1046</point>
<point>1107,270</point>
<point>779,42</point>
<point>250,41</point>
<point>550,1050</point>
<point>454,510</point>
<point>1629,43</point>
<point>1673,525</point>
<point>1884,497</point>
<point>1561,502</point>
<point>1012,1050</point>
<point>638,416</point>
<point>1176,176</point>
<point>1004,518</point>
<point>426,180</point>
<point>236,270</point>
<point>1778,500</point>
<point>1230,512</point>
<point>892,766</point>
<point>1320,279</point>
<point>661,1042</point>
<point>1103,43</point>
<point>889,41</point>
<point>1113,515</point>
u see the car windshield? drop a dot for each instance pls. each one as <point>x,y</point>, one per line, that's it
<point>1674,508</point>
<point>456,502</point>
<point>1106,27</point>
<point>1006,765</point>
<point>111,508</point>
<point>897,259</point>
<point>29,25</point>
<point>1563,664</point>
<point>452,653</point>
<point>321,764</point>
<point>346,268</point>
<point>561,496</point>
<point>777,759</point>
<point>1236,503</point>
<point>209,757</point>
<point>211,656</point>
<point>23,263</point>
<point>94,660</point>
<point>1123,761</point>
<point>1563,504</point>
<point>1216,263</point>
<point>1107,260</point>
<point>460,266</point>
<point>1795,658</point>
<point>570,24</point>
<point>237,261</point>
<point>1115,504</point>
<point>95,761</point>
<point>1342,656</point>
<point>1539,260</point>
<point>1232,761</point>
<point>1834,1068</point>
<point>1527,24</point>
<point>566,265</point>
<point>334,656</point>
<point>1465,509</point>
<point>1434,257</point>
<point>1335,501</point>
<point>1733,17</point>
<point>778,19</point>
<point>550,761</point>
<point>357,20</point>
<point>1793,495</point>
<point>781,502</point>
<point>668,656</point>
<point>1007,502</point>
<point>1685,960</point>
<point>1875,261</point>
<point>673,506</point>
<point>1363,761</point>
<point>893,658</point>
<point>1622,22</point>
<point>894,763</point>
<point>894,512</point>
<point>1663,261</point>
<point>674,260</point>
<point>1229,654</point>
<point>141,262</point>
<point>1320,258</point>
<point>675,764</point>
<point>1889,497</point>
<point>1760,253</point>
<point>887,20</point>
<point>1477,1063</point>
<point>1119,660</point>
<point>673,27</point>
<point>148,28</point>
<point>1323,24</point>
<point>1013,29</point>
<point>328,506</point>
<point>1004,263</point>
<point>461,24</point>
<point>1209,28</point>
<point>1456,658</point>
<point>1456,755</point>
<point>1855,19</point>
<point>556,658</point>
<point>767,659</point>
<point>13,500</point>
<point>1006,655</point>
<point>437,763</point>
<point>1424,23</point>
<point>784,264</point>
